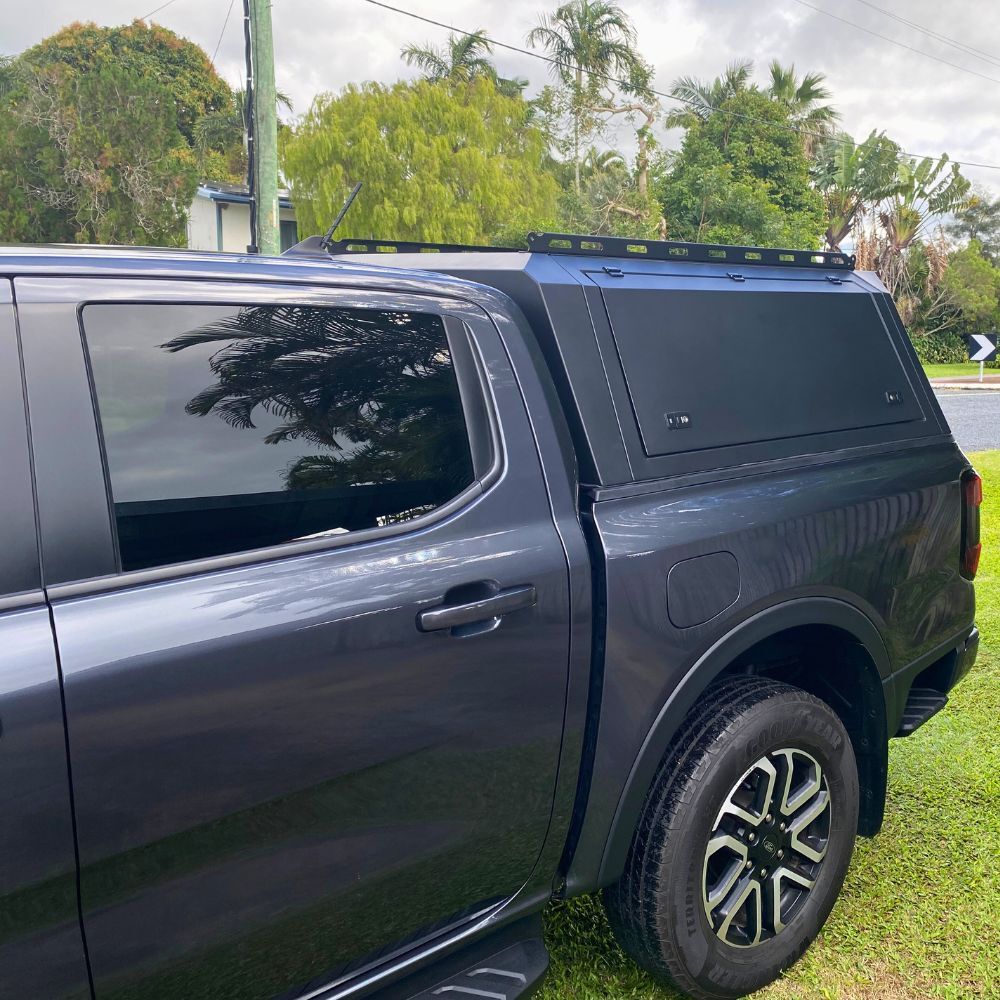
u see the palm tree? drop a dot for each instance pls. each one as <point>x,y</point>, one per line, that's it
<point>597,162</point>
<point>803,99</point>
<point>226,128</point>
<point>704,98</point>
<point>924,190</point>
<point>853,178</point>
<point>589,42</point>
<point>462,58</point>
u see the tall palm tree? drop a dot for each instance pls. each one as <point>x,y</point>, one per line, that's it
<point>463,57</point>
<point>703,98</point>
<point>589,41</point>
<point>803,98</point>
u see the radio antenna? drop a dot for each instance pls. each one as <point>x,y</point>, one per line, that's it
<point>328,239</point>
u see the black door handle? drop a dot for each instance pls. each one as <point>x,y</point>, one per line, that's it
<point>469,612</point>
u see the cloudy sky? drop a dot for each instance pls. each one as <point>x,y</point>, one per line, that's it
<point>927,106</point>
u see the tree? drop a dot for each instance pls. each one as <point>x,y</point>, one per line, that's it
<point>979,220</point>
<point>610,201</point>
<point>802,98</point>
<point>924,191</point>
<point>973,283</point>
<point>222,136</point>
<point>439,161</point>
<point>853,179</point>
<point>703,99</point>
<point>96,158</point>
<point>462,58</point>
<point>10,75</point>
<point>99,125</point>
<point>741,177</point>
<point>590,41</point>
<point>146,50</point>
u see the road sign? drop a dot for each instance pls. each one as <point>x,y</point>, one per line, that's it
<point>982,346</point>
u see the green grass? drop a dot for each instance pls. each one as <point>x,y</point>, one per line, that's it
<point>919,915</point>
<point>949,371</point>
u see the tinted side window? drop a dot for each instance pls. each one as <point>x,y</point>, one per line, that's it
<point>232,428</point>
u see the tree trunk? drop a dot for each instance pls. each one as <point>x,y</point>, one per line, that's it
<point>642,164</point>
<point>642,135</point>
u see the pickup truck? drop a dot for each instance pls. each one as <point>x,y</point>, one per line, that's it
<point>350,613</point>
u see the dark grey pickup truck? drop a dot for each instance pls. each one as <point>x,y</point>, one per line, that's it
<point>351,613</point>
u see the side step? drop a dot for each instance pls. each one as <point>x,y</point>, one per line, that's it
<point>513,973</point>
<point>921,705</point>
<point>509,964</point>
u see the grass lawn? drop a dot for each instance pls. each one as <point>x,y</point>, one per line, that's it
<point>920,912</point>
<point>944,371</point>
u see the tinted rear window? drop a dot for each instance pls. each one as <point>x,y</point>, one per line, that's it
<point>231,428</point>
<point>711,368</point>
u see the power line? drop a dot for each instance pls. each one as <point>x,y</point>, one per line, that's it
<point>893,41</point>
<point>659,93</point>
<point>157,10</point>
<point>221,33</point>
<point>937,35</point>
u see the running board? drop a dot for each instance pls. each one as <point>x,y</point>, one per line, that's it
<point>921,705</point>
<point>510,964</point>
<point>511,974</point>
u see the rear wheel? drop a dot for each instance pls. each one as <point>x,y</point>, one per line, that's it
<point>744,841</point>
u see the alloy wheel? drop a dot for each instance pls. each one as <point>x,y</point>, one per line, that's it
<point>766,848</point>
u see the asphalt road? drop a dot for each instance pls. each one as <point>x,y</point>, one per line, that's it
<point>974,417</point>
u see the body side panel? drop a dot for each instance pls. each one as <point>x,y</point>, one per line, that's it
<point>876,537</point>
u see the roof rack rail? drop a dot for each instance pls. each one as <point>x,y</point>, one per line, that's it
<point>313,246</point>
<point>592,246</point>
<point>707,253</point>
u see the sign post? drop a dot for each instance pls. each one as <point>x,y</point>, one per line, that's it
<point>982,348</point>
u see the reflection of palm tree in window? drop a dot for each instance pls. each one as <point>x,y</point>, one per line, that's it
<point>379,382</point>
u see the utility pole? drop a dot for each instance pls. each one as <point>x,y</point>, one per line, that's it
<point>263,128</point>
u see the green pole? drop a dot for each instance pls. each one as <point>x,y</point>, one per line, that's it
<point>265,128</point>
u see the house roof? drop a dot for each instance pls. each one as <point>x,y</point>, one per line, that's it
<point>236,194</point>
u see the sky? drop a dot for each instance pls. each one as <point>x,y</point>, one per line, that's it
<point>925,105</point>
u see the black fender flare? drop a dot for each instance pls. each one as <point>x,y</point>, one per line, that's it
<point>790,614</point>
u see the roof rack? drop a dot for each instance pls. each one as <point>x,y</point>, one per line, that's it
<point>594,246</point>
<point>707,253</point>
<point>313,246</point>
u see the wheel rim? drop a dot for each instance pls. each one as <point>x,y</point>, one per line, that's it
<point>766,849</point>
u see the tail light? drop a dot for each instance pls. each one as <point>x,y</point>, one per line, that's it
<point>972,499</point>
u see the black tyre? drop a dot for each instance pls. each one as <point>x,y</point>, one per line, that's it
<point>744,841</point>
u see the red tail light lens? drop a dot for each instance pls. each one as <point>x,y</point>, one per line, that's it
<point>972,499</point>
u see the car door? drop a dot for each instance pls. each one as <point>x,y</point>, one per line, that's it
<point>41,948</point>
<point>312,616</point>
